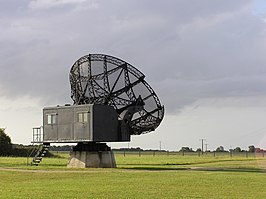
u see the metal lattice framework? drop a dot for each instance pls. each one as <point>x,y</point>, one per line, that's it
<point>103,79</point>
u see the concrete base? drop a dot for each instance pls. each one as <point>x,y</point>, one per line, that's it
<point>91,159</point>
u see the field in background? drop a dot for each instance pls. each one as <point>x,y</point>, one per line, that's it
<point>199,154</point>
<point>144,175</point>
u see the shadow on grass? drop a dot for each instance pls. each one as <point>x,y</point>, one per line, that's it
<point>192,163</point>
<point>212,169</point>
<point>153,168</point>
<point>252,170</point>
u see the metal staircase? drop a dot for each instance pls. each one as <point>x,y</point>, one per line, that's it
<point>39,152</point>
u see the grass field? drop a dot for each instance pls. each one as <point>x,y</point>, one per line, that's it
<point>160,176</point>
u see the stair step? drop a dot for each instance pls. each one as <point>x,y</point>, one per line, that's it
<point>36,164</point>
<point>40,153</point>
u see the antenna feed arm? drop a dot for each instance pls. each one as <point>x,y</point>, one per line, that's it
<point>126,116</point>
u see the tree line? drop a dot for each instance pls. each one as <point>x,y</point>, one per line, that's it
<point>9,149</point>
<point>251,149</point>
<point>17,150</point>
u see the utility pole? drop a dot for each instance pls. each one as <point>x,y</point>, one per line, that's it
<point>206,147</point>
<point>202,140</point>
<point>160,145</point>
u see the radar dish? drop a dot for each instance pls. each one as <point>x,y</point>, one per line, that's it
<point>107,80</point>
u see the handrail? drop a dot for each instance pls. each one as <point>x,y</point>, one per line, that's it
<point>37,135</point>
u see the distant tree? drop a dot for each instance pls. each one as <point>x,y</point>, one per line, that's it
<point>198,150</point>
<point>186,149</point>
<point>220,149</point>
<point>251,149</point>
<point>5,143</point>
<point>259,150</point>
<point>237,149</point>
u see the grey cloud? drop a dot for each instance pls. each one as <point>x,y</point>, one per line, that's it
<point>12,8</point>
<point>188,49</point>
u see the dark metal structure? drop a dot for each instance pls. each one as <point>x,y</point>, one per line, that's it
<point>82,123</point>
<point>106,80</point>
<point>112,101</point>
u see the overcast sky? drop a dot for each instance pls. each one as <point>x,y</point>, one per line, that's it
<point>205,59</point>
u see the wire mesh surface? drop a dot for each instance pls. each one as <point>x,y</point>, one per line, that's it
<point>103,79</point>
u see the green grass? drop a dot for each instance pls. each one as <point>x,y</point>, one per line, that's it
<point>137,177</point>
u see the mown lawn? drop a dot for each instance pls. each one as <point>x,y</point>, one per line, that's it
<point>137,177</point>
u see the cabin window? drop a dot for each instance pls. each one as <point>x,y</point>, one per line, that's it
<point>51,119</point>
<point>83,117</point>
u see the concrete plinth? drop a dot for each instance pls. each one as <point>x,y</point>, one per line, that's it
<point>91,159</point>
